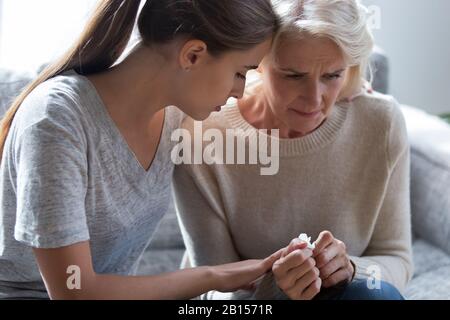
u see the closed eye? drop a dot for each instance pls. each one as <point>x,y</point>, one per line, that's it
<point>333,76</point>
<point>295,76</point>
<point>241,76</point>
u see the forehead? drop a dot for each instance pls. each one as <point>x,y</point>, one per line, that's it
<point>308,52</point>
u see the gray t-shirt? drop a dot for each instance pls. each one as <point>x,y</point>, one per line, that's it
<point>68,176</point>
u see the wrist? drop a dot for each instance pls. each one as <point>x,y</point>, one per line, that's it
<point>211,277</point>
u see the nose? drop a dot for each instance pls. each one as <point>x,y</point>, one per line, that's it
<point>238,90</point>
<point>313,95</point>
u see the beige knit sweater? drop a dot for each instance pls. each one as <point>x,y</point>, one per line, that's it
<point>351,177</point>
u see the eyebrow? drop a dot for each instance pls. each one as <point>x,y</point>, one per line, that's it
<point>305,73</point>
<point>251,67</point>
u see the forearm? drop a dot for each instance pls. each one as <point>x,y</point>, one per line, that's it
<point>202,216</point>
<point>392,269</point>
<point>183,284</point>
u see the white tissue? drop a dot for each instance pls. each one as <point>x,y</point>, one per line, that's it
<point>304,237</point>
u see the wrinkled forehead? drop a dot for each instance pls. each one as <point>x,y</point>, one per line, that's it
<point>306,52</point>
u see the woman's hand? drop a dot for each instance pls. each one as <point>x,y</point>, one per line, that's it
<point>332,260</point>
<point>241,275</point>
<point>295,273</point>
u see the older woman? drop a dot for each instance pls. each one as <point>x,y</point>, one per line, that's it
<point>343,169</point>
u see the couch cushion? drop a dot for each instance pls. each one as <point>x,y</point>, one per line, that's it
<point>432,273</point>
<point>168,234</point>
<point>428,257</point>
<point>11,83</point>
<point>430,176</point>
<point>433,285</point>
<point>157,261</point>
<point>379,64</point>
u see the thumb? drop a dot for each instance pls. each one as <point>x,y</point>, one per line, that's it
<point>269,261</point>
<point>296,244</point>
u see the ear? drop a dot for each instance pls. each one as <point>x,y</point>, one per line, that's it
<point>192,54</point>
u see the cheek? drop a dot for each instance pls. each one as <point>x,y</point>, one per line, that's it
<point>219,83</point>
<point>206,90</point>
<point>278,88</point>
<point>332,93</point>
<point>338,86</point>
<point>282,92</point>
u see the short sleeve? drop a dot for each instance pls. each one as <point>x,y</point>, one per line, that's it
<point>51,166</point>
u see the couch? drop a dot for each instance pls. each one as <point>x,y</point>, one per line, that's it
<point>430,195</point>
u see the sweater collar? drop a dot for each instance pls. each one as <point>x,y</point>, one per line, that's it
<point>312,142</point>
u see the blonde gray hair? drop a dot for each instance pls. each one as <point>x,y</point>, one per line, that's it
<point>342,21</point>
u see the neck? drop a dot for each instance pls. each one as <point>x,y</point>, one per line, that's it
<point>136,89</point>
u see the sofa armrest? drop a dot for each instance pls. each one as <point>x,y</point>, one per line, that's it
<point>379,64</point>
<point>430,176</point>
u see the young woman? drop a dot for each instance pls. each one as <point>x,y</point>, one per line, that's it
<point>343,169</point>
<point>86,168</point>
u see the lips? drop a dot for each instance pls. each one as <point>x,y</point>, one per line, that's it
<point>307,114</point>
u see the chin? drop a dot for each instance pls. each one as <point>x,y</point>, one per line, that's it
<point>201,116</point>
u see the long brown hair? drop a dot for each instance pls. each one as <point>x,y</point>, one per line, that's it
<point>222,24</point>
